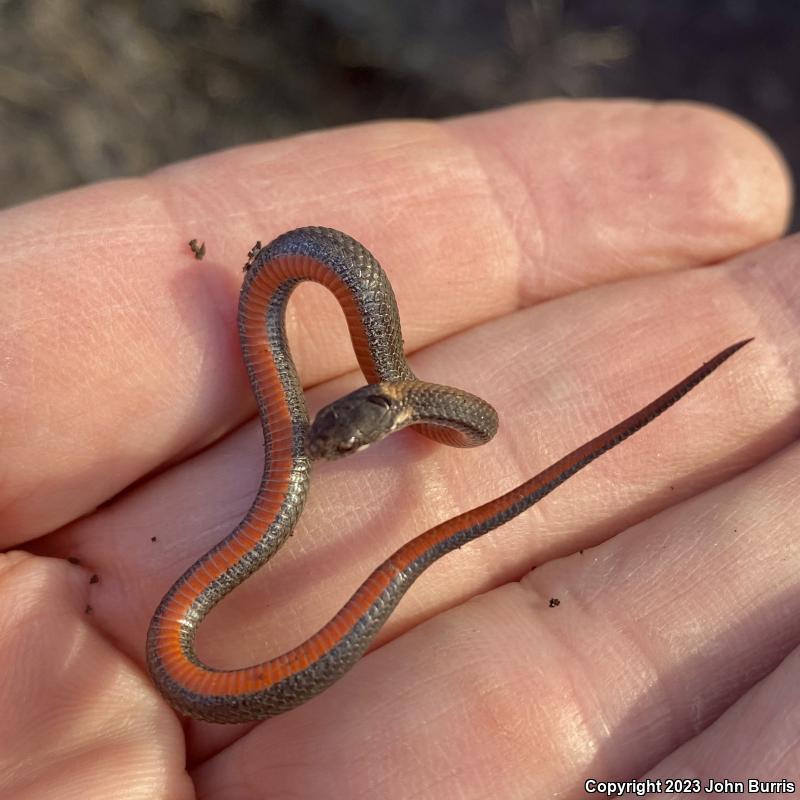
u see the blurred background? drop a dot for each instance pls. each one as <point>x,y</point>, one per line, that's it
<point>92,89</point>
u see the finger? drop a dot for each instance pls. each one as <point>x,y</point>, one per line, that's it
<point>120,352</point>
<point>78,718</point>
<point>593,373</point>
<point>729,751</point>
<point>658,630</point>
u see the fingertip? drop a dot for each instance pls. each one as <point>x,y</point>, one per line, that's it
<point>748,180</point>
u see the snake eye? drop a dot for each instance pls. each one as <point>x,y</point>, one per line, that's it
<point>380,400</point>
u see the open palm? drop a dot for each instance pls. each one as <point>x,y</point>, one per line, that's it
<point>552,258</point>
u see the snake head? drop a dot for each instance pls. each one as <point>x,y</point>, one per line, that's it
<point>353,422</point>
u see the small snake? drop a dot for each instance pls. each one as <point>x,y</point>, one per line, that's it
<point>394,399</point>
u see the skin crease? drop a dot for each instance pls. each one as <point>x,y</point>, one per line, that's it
<point>546,257</point>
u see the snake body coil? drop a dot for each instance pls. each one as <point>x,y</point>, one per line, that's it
<point>393,398</point>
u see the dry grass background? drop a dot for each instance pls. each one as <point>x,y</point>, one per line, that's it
<point>92,90</point>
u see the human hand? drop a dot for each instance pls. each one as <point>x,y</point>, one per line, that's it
<point>122,375</point>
